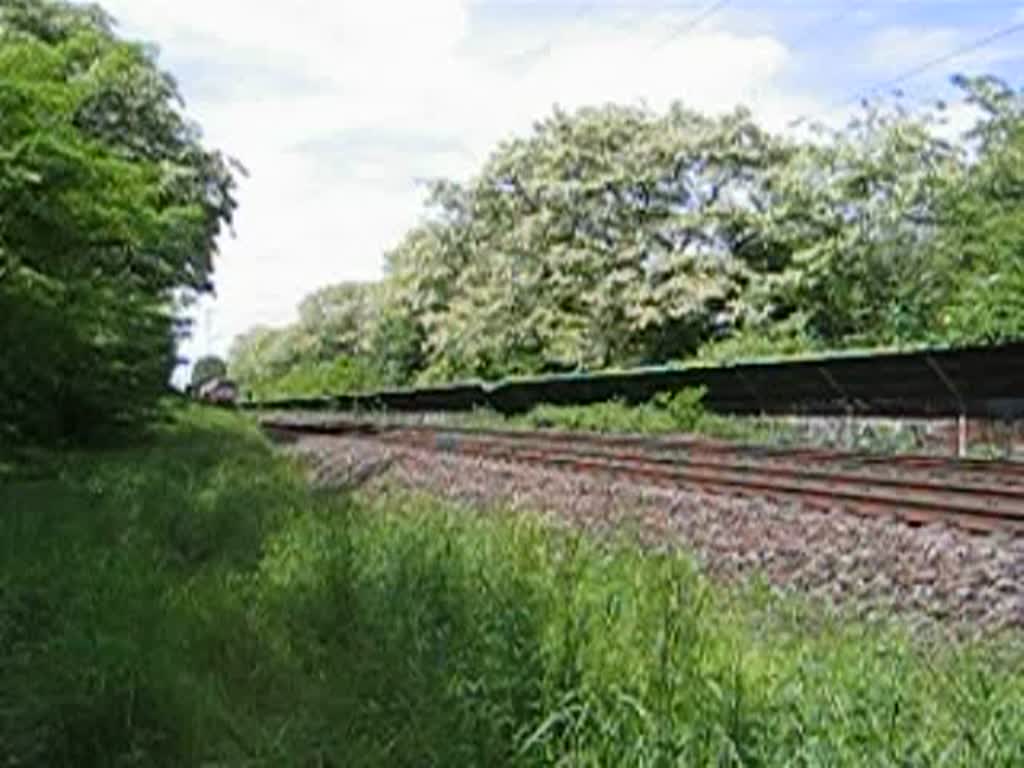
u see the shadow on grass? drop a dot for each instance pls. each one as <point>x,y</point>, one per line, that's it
<point>191,602</point>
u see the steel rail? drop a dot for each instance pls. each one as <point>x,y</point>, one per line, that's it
<point>1001,468</point>
<point>926,484</point>
<point>908,496</point>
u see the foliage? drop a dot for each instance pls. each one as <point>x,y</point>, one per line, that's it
<point>608,236</point>
<point>858,208</point>
<point>685,407</point>
<point>982,240</point>
<point>212,610</point>
<point>668,412</point>
<point>263,354</point>
<point>680,412</point>
<point>207,368</point>
<point>109,212</point>
<point>611,416</point>
<point>616,236</point>
<point>308,379</point>
<point>784,338</point>
<point>342,342</point>
<point>336,319</point>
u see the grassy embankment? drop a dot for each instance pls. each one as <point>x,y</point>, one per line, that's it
<point>192,602</point>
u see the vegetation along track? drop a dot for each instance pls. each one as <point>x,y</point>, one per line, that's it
<point>980,496</point>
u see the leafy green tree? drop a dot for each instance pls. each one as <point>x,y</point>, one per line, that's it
<point>614,236</point>
<point>263,354</point>
<point>344,341</point>
<point>981,240</point>
<point>337,319</point>
<point>342,375</point>
<point>283,362</point>
<point>857,209</point>
<point>420,287</point>
<point>608,236</point>
<point>109,212</point>
<point>395,351</point>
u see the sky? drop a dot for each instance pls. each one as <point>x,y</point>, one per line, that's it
<point>340,108</point>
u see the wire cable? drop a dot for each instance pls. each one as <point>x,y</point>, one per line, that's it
<point>692,23</point>
<point>804,33</point>
<point>536,55</point>
<point>923,67</point>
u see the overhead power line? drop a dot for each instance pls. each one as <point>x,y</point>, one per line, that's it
<point>919,69</point>
<point>692,23</point>
<point>805,33</point>
<point>586,9</point>
<point>544,50</point>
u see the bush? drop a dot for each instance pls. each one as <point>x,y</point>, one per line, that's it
<point>680,411</point>
<point>786,338</point>
<point>317,379</point>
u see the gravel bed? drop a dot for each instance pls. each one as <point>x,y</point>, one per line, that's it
<point>870,435</point>
<point>1001,474</point>
<point>876,567</point>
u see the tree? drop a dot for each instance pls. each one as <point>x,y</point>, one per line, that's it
<point>346,339</point>
<point>617,236</point>
<point>395,350</point>
<point>337,319</point>
<point>981,242</point>
<point>610,236</point>
<point>110,208</point>
<point>263,354</point>
<point>207,368</point>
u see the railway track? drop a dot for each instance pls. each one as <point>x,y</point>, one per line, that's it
<point>982,496</point>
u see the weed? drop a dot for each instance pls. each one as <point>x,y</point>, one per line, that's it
<point>192,602</point>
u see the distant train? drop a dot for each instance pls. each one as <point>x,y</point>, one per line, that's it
<point>218,390</point>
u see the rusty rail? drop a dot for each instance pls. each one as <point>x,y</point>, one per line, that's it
<point>978,496</point>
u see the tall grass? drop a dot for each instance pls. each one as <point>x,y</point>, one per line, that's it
<point>683,412</point>
<point>194,603</point>
<point>680,412</point>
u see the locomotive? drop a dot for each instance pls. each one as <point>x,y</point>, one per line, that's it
<point>217,391</point>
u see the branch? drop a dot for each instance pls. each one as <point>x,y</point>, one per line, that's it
<point>521,191</point>
<point>113,243</point>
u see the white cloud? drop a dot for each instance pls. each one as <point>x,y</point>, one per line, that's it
<point>336,107</point>
<point>330,39</point>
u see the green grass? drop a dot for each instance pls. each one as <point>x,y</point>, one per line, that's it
<point>682,413</point>
<point>192,602</point>
<point>665,414</point>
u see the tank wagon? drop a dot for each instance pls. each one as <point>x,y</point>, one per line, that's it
<point>977,387</point>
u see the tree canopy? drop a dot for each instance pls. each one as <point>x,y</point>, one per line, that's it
<point>110,209</point>
<point>327,349</point>
<point>614,236</point>
<point>606,237</point>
